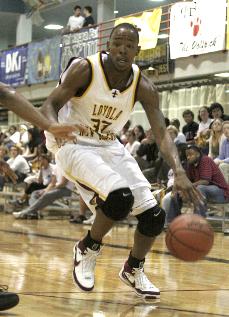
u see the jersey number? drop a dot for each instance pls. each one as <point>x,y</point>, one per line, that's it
<point>100,125</point>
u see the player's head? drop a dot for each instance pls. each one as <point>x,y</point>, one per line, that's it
<point>193,154</point>
<point>123,46</point>
<point>77,11</point>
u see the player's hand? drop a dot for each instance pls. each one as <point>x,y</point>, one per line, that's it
<point>8,172</point>
<point>186,189</point>
<point>65,131</point>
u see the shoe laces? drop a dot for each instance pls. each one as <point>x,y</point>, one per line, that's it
<point>3,288</point>
<point>141,280</point>
<point>88,261</point>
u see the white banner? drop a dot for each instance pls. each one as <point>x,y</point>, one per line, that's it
<point>197,27</point>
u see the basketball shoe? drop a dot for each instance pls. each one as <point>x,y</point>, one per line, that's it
<point>7,299</point>
<point>136,278</point>
<point>84,265</point>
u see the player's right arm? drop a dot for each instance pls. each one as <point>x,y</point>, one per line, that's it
<point>77,78</point>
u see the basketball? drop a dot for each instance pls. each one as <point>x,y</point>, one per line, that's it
<point>189,237</point>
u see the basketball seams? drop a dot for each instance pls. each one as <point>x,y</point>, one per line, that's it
<point>195,230</point>
<point>186,245</point>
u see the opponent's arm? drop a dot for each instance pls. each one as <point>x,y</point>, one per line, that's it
<point>78,77</point>
<point>15,102</point>
<point>149,98</point>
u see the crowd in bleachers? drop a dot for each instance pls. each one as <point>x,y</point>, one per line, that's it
<point>203,149</point>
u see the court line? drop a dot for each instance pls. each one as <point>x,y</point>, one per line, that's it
<point>131,305</point>
<point>115,246</point>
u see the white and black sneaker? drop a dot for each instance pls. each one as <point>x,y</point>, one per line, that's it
<point>84,266</point>
<point>136,278</point>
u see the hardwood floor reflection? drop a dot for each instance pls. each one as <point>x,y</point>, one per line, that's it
<point>36,262</point>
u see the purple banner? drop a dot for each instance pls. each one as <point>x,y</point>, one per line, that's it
<point>13,66</point>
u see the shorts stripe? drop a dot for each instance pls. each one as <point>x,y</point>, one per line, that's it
<point>89,186</point>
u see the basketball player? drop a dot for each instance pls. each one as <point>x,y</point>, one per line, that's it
<point>10,99</point>
<point>99,93</point>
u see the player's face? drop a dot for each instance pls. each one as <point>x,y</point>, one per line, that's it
<point>123,47</point>
<point>192,156</point>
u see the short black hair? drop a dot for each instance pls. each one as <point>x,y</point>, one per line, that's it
<point>193,147</point>
<point>127,26</point>
<point>215,105</point>
<point>187,112</point>
<point>89,9</point>
<point>77,7</point>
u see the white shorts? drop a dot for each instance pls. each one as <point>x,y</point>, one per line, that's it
<point>97,171</point>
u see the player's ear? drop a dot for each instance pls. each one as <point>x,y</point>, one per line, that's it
<point>138,50</point>
<point>108,46</point>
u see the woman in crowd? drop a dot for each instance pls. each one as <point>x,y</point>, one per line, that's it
<point>132,145</point>
<point>139,132</point>
<point>216,137</point>
<point>32,146</point>
<point>204,119</point>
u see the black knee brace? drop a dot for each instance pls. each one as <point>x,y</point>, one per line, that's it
<point>118,204</point>
<point>151,221</point>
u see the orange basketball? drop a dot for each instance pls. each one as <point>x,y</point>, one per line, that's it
<point>189,237</point>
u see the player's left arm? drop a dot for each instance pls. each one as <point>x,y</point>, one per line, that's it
<point>148,96</point>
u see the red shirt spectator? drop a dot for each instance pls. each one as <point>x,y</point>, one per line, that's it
<point>207,170</point>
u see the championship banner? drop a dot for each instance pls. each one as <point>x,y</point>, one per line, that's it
<point>197,27</point>
<point>149,24</point>
<point>13,66</point>
<point>44,61</point>
<point>80,44</point>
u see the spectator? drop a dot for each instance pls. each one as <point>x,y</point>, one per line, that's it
<point>204,119</point>
<point>24,137</point>
<point>59,187</point>
<point>4,153</point>
<point>81,217</point>
<point>167,122</point>
<point>75,21</point>
<point>139,132</point>
<point>223,159</point>
<point>33,143</point>
<point>180,137</point>
<point>171,202</point>
<point>17,164</point>
<point>44,179</point>
<point>13,136</point>
<point>217,112</point>
<point>132,145</point>
<point>191,127</point>
<point>202,140</point>
<point>89,21</point>
<point>216,139</point>
<point>207,178</point>
<point>173,132</point>
<point>147,152</point>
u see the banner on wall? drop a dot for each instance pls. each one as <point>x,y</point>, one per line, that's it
<point>158,58</point>
<point>197,27</point>
<point>44,61</point>
<point>149,24</point>
<point>80,44</point>
<point>13,66</point>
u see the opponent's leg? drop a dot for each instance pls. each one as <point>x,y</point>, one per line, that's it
<point>150,224</point>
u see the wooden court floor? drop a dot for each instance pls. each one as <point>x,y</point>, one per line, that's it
<point>36,262</point>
